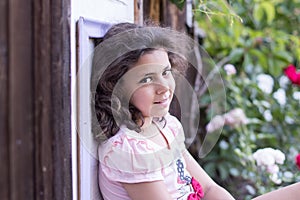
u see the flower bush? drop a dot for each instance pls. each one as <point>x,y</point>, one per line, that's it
<point>264,86</point>
<point>232,118</point>
<point>267,159</point>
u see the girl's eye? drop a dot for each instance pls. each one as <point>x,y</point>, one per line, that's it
<point>146,80</point>
<point>167,72</point>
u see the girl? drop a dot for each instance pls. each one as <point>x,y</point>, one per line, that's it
<point>144,156</point>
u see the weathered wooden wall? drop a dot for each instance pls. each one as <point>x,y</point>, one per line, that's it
<point>35,125</point>
<point>166,13</point>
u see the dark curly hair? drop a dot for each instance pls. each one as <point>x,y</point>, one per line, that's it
<point>109,110</point>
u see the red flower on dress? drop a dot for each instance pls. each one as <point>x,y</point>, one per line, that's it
<point>292,74</point>
<point>198,191</point>
<point>297,159</point>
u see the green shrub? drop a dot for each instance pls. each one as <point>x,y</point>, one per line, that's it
<point>259,38</point>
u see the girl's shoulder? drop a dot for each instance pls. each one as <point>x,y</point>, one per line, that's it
<point>125,144</point>
<point>129,155</point>
<point>130,141</point>
<point>124,140</point>
<point>173,122</point>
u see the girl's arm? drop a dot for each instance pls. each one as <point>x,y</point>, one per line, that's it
<point>210,188</point>
<point>291,192</point>
<point>147,190</point>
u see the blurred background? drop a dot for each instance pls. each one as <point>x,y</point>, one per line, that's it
<point>255,44</point>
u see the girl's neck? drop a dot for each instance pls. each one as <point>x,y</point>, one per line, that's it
<point>147,122</point>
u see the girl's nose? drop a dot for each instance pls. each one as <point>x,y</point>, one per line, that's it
<point>162,88</point>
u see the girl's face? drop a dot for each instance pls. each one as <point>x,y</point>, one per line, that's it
<point>151,84</point>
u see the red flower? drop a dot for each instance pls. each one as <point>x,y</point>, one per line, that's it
<point>291,73</point>
<point>297,159</point>
<point>198,191</point>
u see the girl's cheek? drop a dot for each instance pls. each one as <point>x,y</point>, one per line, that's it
<point>172,84</point>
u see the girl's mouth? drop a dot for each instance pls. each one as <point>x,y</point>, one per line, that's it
<point>164,102</point>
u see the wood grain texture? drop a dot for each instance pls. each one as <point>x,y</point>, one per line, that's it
<point>20,116</point>
<point>35,102</point>
<point>43,131</point>
<point>60,84</point>
<point>4,152</point>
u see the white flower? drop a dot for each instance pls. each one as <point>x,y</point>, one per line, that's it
<point>264,157</point>
<point>265,82</point>
<point>215,123</point>
<point>268,157</point>
<point>296,96</point>
<point>250,189</point>
<point>272,169</point>
<point>235,116</point>
<point>280,96</point>
<point>230,69</point>
<point>288,175</point>
<point>283,81</point>
<point>223,145</point>
<point>266,104</point>
<point>289,120</point>
<point>268,115</point>
<point>279,156</point>
<point>274,177</point>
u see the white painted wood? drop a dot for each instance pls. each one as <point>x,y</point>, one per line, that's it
<point>92,18</point>
<point>88,185</point>
<point>111,11</point>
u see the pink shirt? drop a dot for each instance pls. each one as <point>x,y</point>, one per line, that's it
<point>128,157</point>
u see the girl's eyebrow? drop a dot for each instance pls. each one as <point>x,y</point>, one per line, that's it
<point>152,73</point>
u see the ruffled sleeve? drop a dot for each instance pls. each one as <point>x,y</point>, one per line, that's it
<point>128,159</point>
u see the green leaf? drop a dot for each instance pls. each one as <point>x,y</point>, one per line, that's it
<point>261,58</point>
<point>284,56</point>
<point>224,172</point>
<point>277,69</point>
<point>258,12</point>
<point>264,8</point>
<point>261,136</point>
<point>269,10</point>
<point>210,168</point>
<point>236,54</point>
<point>297,53</point>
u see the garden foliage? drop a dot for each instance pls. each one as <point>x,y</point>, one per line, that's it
<point>259,38</point>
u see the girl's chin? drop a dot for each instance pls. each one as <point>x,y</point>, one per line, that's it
<point>160,114</point>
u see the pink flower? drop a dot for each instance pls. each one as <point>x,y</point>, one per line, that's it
<point>292,74</point>
<point>297,159</point>
<point>235,117</point>
<point>230,69</point>
<point>216,123</point>
<point>232,118</point>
